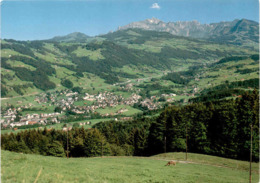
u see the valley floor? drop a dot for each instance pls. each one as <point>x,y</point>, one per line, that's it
<point>17,167</point>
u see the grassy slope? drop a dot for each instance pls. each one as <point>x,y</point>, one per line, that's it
<point>93,55</point>
<point>226,72</point>
<point>25,168</point>
<point>131,110</point>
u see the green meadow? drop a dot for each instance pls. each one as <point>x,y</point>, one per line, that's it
<point>18,167</point>
<point>129,110</point>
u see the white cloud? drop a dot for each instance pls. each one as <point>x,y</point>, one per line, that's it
<point>155,6</point>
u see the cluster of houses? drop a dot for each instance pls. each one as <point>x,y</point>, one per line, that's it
<point>149,104</point>
<point>29,119</point>
<point>9,115</point>
<point>66,99</point>
<point>103,100</point>
<point>120,111</point>
<point>169,97</point>
<point>68,128</point>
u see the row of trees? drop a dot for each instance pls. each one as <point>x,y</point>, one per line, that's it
<point>246,71</point>
<point>176,77</point>
<point>219,128</point>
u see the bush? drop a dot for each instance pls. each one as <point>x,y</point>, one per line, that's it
<point>77,89</point>
<point>55,149</point>
<point>116,150</point>
<point>67,83</point>
<point>179,144</point>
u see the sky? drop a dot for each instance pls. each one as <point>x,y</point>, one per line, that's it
<point>38,19</point>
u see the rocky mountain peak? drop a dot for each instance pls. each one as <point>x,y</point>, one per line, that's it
<point>153,20</point>
<point>217,31</point>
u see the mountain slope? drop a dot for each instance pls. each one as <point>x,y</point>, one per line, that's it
<point>234,32</point>
<point>32,66</point>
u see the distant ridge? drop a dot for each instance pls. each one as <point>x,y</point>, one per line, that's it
<point>236,31</point>
<point>73,37</point>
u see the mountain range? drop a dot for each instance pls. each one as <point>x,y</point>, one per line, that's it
<point>241,32</point>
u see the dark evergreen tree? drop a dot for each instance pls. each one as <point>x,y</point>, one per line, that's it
<point>95,144</point>
<point>55,149</point>
<point>67,83</point>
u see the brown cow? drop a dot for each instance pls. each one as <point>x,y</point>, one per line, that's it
<point>171,163</point>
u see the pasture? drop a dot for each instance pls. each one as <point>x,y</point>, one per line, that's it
<point>128,110</point>
<point>35,168</point>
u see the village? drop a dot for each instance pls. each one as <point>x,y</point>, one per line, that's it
<point>66,102</point>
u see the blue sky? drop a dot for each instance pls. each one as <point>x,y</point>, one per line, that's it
<point>31,20</point>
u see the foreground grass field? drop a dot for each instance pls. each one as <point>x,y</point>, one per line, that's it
<point>35,168</point>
